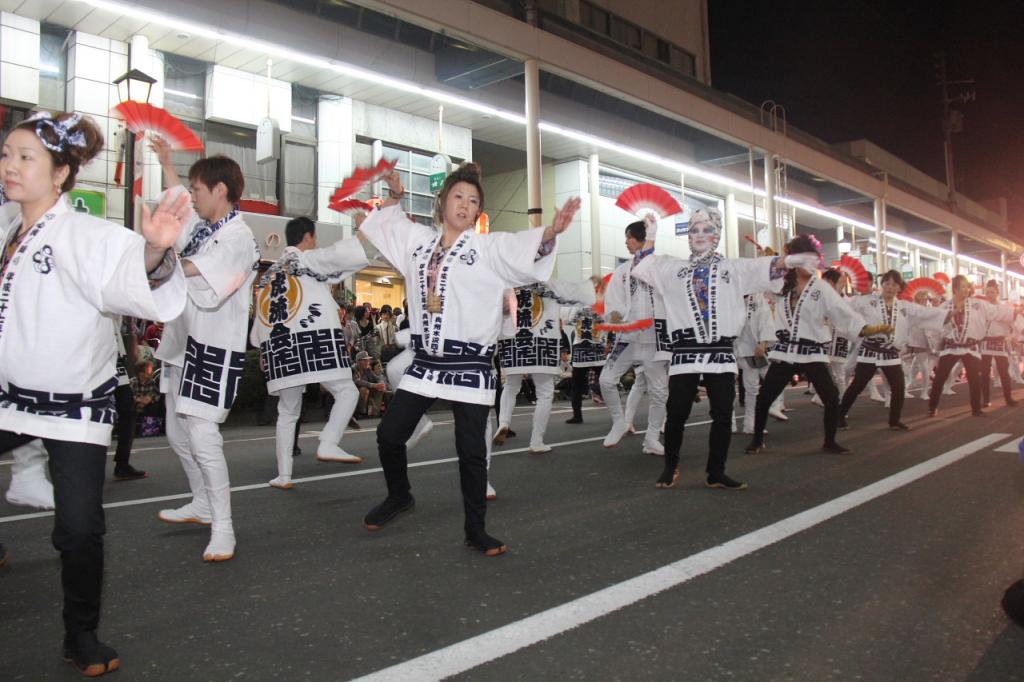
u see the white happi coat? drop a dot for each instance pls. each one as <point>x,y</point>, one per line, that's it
<point>636,300</point>
<point>208,340</point>
<point>698,346</point>
<point>804,330</point>
<point>758,325</point>
<point>454,349</point>
<point>71,274</point>
<point>589,346</point>
<point>978,314</point>
<point>885,349</point>
<point>296,325</point>
<point>996,341</point>
<point>533,347</point>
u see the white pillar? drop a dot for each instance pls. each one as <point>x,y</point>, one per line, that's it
<point>594,189</point>
<point>1005,278</point>
<point>534,200</point>
<point>769,202</point>
<point>880,240</point>
<point>732,227</point>
<point>954,245</point>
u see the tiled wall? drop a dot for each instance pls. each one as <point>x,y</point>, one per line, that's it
<point>19,59</point>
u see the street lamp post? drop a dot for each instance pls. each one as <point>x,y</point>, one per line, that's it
<point>134,85</point>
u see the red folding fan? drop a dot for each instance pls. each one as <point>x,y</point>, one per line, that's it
<point>599,306</point>
<point>350,207</point>
<point>941,277</point>
<point>141,118</point>
<point>361,177</point>
<point>855,270</point>
<point>922,284</point>
<point>645,197</point>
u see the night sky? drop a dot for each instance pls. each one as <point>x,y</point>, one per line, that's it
<point>864,69</point>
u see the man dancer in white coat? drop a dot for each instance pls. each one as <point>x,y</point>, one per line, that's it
<point>629,299</point>
<point>203,350</point>
<point>301,340</point>
<point>534,349</point>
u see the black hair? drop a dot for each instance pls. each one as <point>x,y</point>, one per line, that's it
<point>894,276</point>
<point>296,230</point>
<point>219,168</point>
<point>637,231</point>
<point>831,275</point>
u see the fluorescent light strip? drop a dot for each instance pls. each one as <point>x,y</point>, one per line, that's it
<point>376,77</point>
<point>251,43</point>
<point>181,93</point>
<point>49,68</point>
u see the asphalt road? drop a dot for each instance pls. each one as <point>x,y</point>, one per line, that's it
<point>886,564</point>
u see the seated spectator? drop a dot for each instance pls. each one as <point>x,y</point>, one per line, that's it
<point>149,402</point>
<point>371,386</point>
<point>564,384</point>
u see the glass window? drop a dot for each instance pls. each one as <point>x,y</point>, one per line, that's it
<point>421,162</point>
<point>420,183</point>
<point>304,107</point>
<point>184,86</point>
<point>53,61</point>
<point>298,164</point>
<point>626,33</point>
<point>240,144</point>
<point>594,18</point>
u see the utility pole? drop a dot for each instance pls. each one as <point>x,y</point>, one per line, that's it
<point>952,119</point>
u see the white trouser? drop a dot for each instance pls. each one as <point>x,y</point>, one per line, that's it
<point>200,447</point>
<point>545,387</point>
<point>656,375</point>
<point>29,485</point>
<point>636,392</point>
<point>289,407</point>
<point>751,387</point>
<point>920,371</point>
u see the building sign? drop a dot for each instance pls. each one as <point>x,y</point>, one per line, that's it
<point>682,228</point>
<point>440,166</point>
<point>91,201</point>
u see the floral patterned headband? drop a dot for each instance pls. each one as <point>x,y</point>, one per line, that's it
<point>61,129</point>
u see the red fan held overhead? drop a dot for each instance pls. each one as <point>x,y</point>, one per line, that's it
<point>928,284</point>
<point>141,118</point>
<point>855,270</point>
<point>350,207</point>
<point>941,277</point>
<point>644,198</point>
<point>360,178</point>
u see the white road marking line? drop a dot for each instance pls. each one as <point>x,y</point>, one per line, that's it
<point>489,646</point>
<point>1010,446</point>
<point>311,479</point>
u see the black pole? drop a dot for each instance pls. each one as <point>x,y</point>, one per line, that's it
<point>129,162</point>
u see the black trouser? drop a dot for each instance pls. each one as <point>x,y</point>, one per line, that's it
<point>1003,368</point>
<point>863,374</point>
<point>77,471</point>
<point>942,369</point>
<point>682,389</point>
<point>397,426</point>
<point>775,381</point>
<point>580,388</point>
<point>124,400</point>
<point>498,389</point>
